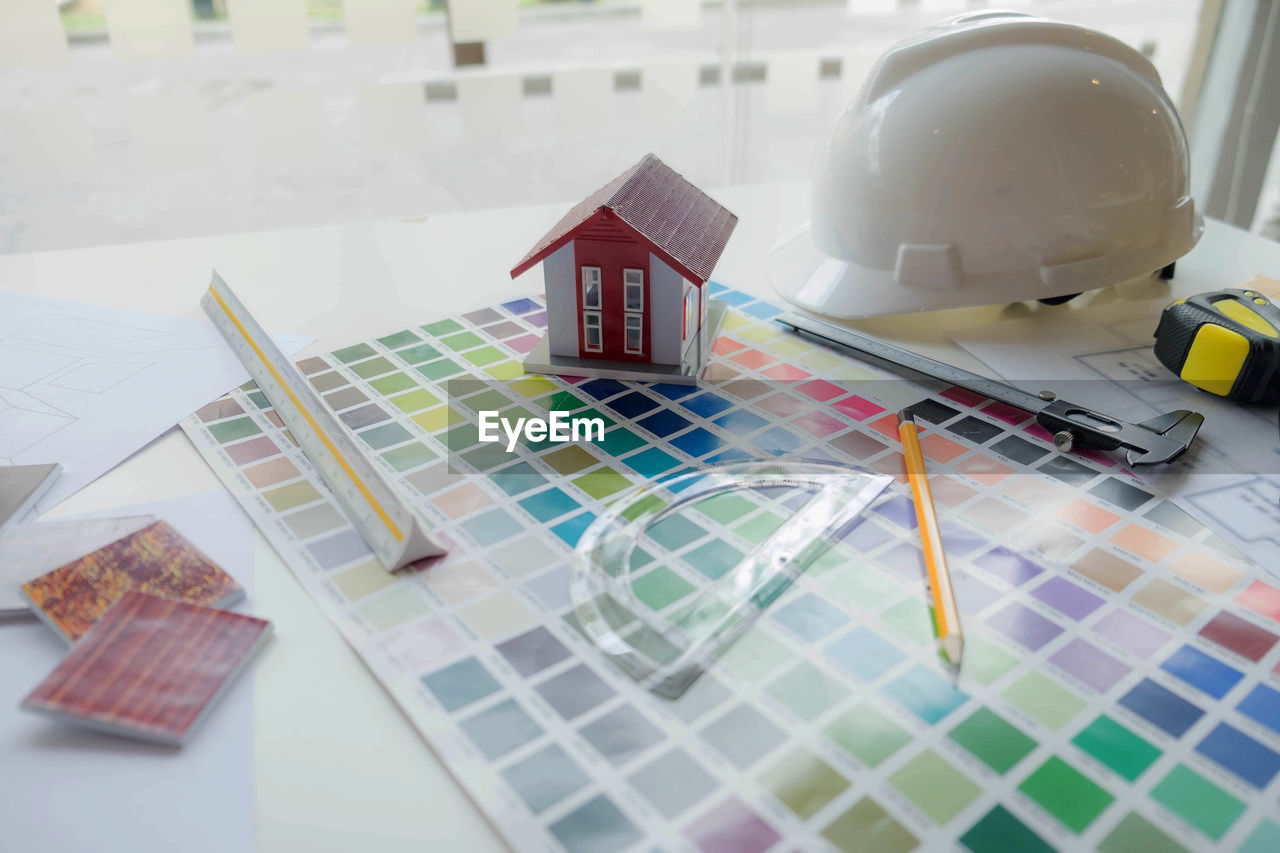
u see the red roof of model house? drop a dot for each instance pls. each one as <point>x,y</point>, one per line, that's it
<point>686,228</point>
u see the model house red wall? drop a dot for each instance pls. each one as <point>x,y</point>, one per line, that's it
<point>603,243</point>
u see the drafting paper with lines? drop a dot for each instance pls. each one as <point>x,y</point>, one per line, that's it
<point>1230,478</point>
<point>86,385</point>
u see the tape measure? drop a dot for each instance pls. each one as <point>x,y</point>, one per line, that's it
<point>389,525</point>
<point>1226,342</point>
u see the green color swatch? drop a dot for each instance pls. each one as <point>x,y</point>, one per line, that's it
<point>805,783</point>
<point>507,370</point>
<point>984,660</point>
<point>1000,832</point>
<point>726,507</point>
<point>938,789</point>
<point>714,558</point>
<point>1265,838</point>
<point>437,370</point>
<point>399,339</point>
<point>462,341</point>
<point>756,654</point>
<point>660,587</point>
<point>855,584</point>
<point>419,354</point>
<point>346,355</point>
<point>490,400</point>
<point>1042,699</point>
<point>621,440</point>
<point>414,401</point>
<point>393,384</point>
<point>995,742</point>
<point>485,355</point>
<point>602,482</point>
<point>867,734</point>
<point>1117,747</point>
<point>910,619</point>
<point>1136,833</point>
<point>1198,801</point>
<point>759,527</point>
<point>409,456</point>
<point>807,691</point>
<point>233,430</point>
<point>1066,793</point>
<point>385,435</point>
<point>372,367</point>
<point>442,327</point>
<point>287,497</point>
<point>867,826</point>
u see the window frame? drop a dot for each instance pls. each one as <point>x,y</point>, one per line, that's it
<point>626,288</point>
<point>586,331</point>
<point>585,284</point>
<point>627,318</point>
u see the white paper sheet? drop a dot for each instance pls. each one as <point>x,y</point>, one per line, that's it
<point>149,29</point>
<point>68,788</point>
<point>1229,479</point>
<point>87,386</point>
<point>380,21</point>
<point>481,20</point>
<point>31,33</point>
<point>259,26</point>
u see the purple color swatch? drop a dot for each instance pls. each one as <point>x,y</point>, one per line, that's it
<point>1132,633</point>
<point>1008,566</point>
<point>900,510</point>
<point>1067,598</point>
<point>972,594</point>
<point>1024,626</point>
<point>731,827</point>
<point>1090,665</point>
<point>905,560</point>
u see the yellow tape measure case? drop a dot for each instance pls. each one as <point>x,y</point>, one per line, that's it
<point>1226,342</point>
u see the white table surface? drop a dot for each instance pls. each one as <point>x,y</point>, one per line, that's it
<point>338,767</point>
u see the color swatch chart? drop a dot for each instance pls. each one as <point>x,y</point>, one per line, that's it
<point>1121,679</point>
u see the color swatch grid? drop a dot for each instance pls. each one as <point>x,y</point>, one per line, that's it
<point>1121,679</point>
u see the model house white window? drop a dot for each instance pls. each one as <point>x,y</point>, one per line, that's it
<point>635,333</point>
<point>591,332</point>
<point>591,289</point>
<point>633,290</point>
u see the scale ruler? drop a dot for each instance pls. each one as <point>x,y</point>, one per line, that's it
<point>389,525</point>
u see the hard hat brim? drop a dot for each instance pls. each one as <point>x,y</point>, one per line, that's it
<point>801,273</point>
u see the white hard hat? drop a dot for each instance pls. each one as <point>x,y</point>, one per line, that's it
<point>995,157</point>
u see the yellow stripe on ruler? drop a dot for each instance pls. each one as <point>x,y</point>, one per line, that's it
<point>302,410</point>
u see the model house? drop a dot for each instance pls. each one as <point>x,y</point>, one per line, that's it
<point>625,274</point>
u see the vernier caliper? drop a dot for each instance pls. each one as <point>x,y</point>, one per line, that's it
<point>1161,439</point>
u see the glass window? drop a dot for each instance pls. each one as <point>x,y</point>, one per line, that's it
<point>635,333</point>
<point>591,332</point>
<point>591,287</point>
<point>633,290</point>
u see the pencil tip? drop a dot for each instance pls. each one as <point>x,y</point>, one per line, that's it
<point>952,647</point>
<point>906,417</point>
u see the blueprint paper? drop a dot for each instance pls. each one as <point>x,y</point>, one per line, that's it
<point>1103,358</point>
<point>65,788</point>
<point>87,386</point>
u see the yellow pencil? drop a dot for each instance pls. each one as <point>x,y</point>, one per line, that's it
<point>946,617</point>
